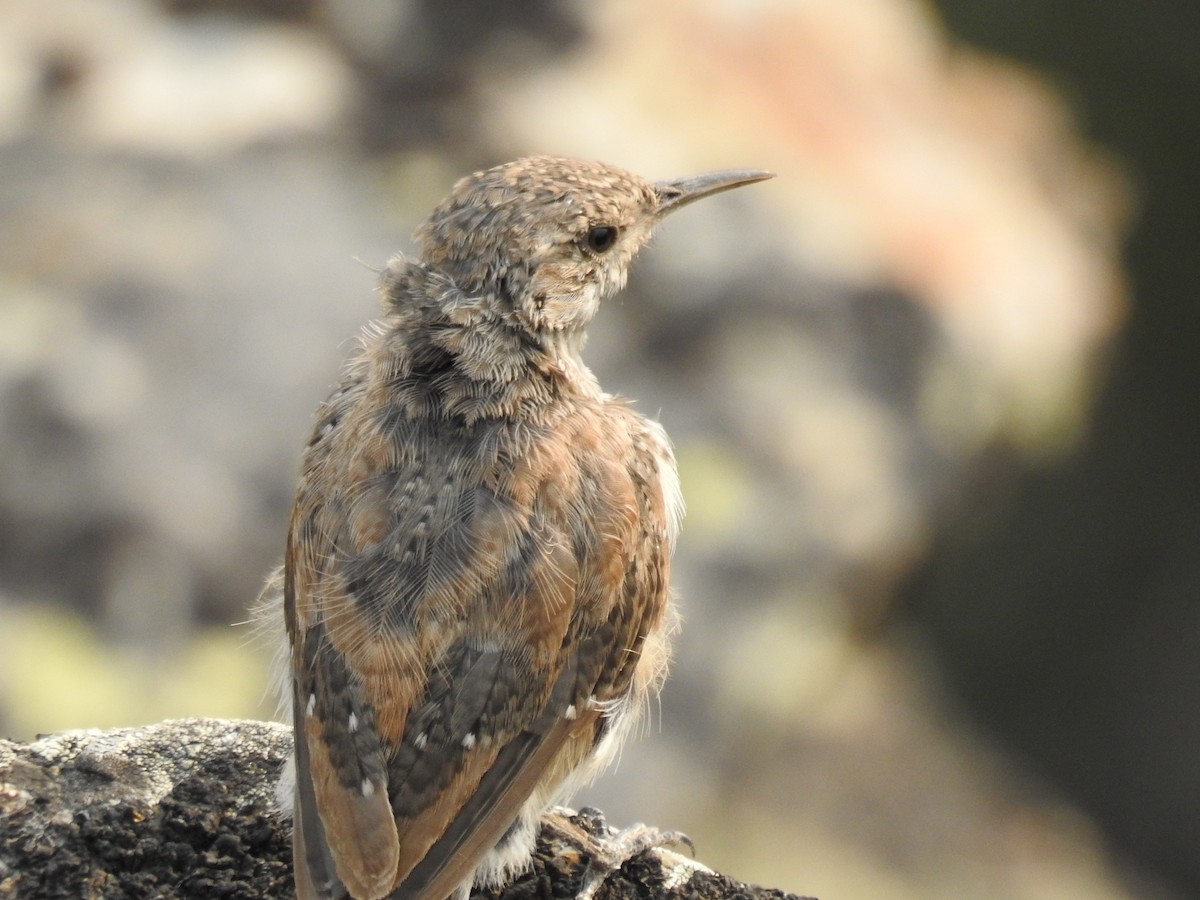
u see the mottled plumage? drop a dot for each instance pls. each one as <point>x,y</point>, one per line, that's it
<point>476,575</point>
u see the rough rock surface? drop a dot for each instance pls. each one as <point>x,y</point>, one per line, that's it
<point>185,808</point>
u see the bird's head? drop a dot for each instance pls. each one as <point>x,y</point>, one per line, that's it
<point>549,238</point>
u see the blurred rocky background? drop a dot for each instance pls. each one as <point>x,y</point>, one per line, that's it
<point>933,389</point>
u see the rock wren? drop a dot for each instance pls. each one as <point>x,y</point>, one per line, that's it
<point>475,582</point>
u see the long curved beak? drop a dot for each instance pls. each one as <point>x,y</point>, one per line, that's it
<point>676,193</point>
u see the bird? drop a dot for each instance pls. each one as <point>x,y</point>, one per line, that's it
<point>475,585</point>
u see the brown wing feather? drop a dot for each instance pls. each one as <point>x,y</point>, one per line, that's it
<point>468,737</point>
<point>614,653</point>
<point>450,629</point>
<point>474,703</point>
<point>489,811</point>
<point>513,775</point>
<point>316,877</point>
<point>344,823</point>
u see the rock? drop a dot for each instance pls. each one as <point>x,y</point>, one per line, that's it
<point>185,808</point>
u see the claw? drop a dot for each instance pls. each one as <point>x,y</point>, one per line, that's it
<point>608,854</point>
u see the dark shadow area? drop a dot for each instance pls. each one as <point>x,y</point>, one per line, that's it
<point>1069,620</point>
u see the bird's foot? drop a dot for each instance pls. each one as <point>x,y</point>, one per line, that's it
<point>609,849</point>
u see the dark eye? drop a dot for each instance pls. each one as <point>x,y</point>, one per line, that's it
<point>600,238</point>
